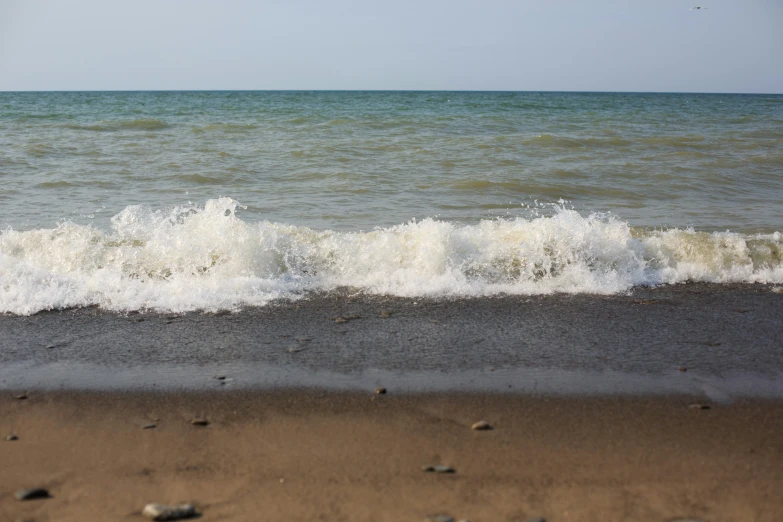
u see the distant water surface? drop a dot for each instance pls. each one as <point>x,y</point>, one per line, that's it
<point>117,198</point>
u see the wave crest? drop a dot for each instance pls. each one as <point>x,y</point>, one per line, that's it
<point>192,258</point>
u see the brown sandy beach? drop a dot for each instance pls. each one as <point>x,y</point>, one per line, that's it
<point>299,455</point>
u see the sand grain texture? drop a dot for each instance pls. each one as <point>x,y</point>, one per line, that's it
<point>299,455</point>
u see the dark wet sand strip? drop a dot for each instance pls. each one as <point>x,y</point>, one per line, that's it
<point>340,340</point>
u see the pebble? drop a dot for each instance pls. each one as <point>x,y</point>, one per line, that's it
<point>50,346</point>
<point>481,425</point>
<point>539,519</point>
<point>380,391</point>
<point>683,369</point>
<point>385,313</point>
<point>149,426</point>
<point>12,437</point>
<point>220,377</point>
<point>438,469</point>
<point>699,406</point>
<point>440,518</point>
<point>20,397</point>
<point>200,422</point>
<point>31,493</point>
<point>164,512</point>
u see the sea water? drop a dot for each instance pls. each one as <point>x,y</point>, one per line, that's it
<point>177,201</point>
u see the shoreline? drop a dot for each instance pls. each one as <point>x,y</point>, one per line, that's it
<point>727,337</point>
<point>303,455</point>
<point>533,382</point>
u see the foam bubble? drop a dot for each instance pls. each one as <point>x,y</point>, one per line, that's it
<point>207,258</point>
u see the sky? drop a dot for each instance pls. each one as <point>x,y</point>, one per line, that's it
<point>521,45</point>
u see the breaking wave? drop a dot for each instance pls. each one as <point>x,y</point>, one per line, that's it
<point>207,258</point>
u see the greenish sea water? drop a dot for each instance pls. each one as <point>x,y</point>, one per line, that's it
<point>233,198</point>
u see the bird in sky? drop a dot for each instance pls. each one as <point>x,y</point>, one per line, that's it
<point>696,7</point>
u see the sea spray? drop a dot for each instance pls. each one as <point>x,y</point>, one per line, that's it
<point>207,258</point>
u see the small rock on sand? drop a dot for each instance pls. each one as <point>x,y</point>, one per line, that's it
<point>481,425</point>
<point>199,422</point>
<point>149,426</point>
<point>438,469</point>
<point>699,406</point>
<point>12,437</point>
<point>380,391</point>
<point>539,519</point>
<point>20,396</point>
<point>164,512</point>
<point>683,369</point>
<point>31,493</point>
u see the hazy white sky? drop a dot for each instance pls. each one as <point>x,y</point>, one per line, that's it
<point>597,45</point>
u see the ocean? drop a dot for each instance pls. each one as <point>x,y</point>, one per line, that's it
<point>187,201</point>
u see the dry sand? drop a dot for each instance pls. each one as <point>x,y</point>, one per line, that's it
<point>305,455</point>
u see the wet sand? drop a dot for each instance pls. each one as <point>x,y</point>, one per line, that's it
<point>298,455</point>
<point>727,336</point>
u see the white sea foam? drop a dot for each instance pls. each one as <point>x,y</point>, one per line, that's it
<point>207,258</point>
